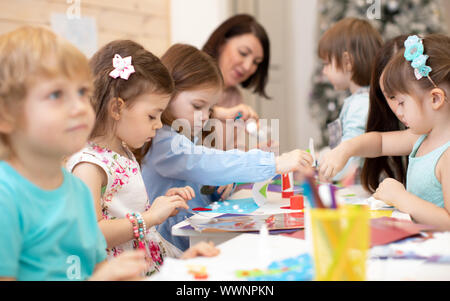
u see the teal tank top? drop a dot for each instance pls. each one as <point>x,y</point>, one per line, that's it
<point>421,177</point>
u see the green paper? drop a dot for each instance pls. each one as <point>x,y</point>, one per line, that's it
<point>263,190</point>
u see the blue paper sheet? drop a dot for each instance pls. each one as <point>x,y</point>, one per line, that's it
<point>240,206</point>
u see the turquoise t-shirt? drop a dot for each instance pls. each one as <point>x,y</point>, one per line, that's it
<point>47,234</point>
<point>421,175</point>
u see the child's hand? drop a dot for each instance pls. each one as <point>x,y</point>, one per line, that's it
<point>246,111</point>
<point>201,249</point>
<point>333,162</point>
<point>390,191</point>
<point>296,160</point>
<point>162,208</point>
<point>225,191</point>
<point>187,193</point>
<point>127,266</point>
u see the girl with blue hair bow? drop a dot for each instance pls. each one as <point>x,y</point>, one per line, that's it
<point>420,84</point>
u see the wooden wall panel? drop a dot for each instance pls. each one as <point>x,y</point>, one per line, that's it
<point>145,21</point>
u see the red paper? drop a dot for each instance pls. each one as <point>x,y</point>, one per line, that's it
<point>201,209</point>
<point>383,230</point>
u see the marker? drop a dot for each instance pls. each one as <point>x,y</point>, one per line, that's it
<point>315,193</point>
<point>307,191</point>
<point>313,153</point>
<point>333,196</point>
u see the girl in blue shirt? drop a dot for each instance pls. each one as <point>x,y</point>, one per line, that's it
<point>348,50</point>
<point>175,157</point>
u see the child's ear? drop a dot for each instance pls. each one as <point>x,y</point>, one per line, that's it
<point>116,107</point>
<point>438,98</point>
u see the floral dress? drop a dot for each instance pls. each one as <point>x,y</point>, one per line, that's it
<point>125,193</point>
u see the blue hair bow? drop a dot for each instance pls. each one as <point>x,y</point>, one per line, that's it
<point>414,54</point>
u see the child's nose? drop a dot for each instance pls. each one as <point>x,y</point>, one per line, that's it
<point>79,106</point>
<point>158,125</point>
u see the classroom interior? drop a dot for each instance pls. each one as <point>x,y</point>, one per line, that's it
<point>294,28</point>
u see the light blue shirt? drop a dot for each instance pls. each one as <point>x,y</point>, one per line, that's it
<point>175,161</point>
<point>421,175</point>
<point>353,118</point>
<point>47,234</point>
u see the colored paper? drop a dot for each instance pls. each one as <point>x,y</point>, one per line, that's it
<point>259,192</point>
<point>249,223</point>
<point>299,268</point>
<point>383,230</point>
<point>243,206</point>
<point>273,187</point>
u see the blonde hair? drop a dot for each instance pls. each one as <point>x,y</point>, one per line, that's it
<point>29,53</point>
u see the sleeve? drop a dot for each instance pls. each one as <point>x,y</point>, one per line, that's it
<point>178,158</point>
<point>89,209</point>
<point>90,158</point>
<point>355,118</point>
<point>10,235</point>
<point>353,124</point>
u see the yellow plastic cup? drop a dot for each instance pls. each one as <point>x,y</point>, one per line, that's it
<point>341,239</point>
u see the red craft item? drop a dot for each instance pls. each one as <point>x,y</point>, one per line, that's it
<point>202,209</point>
<point>297,202</point>
<point>286,185</point>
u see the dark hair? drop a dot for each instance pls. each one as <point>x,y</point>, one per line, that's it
<point>150,76</point>
<point>356,37</point>
<point>398,76</point>
<point>382,119</point>
<point>236,26</point>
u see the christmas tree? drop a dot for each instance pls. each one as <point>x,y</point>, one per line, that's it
<point>391,18</point>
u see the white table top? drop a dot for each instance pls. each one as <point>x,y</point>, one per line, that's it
<point>272,206</point>
<point>238,250</point>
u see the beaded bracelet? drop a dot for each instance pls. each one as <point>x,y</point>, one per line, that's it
<point>139,229</point>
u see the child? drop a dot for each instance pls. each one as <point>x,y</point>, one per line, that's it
<point>173,158</point>
<point>131,89</point>
<point>348,50</point>
<point>48,230</point>
<point>418,79</point>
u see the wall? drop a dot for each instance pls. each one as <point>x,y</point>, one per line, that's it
<point>300,60</point>
<point>145,21</point>
<point>291,26</point>
<point>446,10</point>
<point>192,21</point>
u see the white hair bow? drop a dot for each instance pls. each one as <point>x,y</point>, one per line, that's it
<point>123,67</point>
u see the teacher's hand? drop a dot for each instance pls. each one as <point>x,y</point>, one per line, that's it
<point>245,111</point>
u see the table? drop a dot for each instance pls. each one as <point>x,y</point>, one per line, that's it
<point>272,206</point>
<point>241,252</point>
